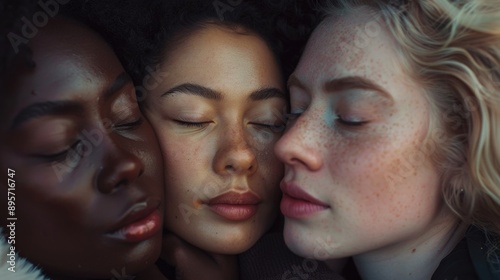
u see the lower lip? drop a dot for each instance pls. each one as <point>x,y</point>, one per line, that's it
<point>234,212</point>
<point>141,230</point>
<point>297,208</point>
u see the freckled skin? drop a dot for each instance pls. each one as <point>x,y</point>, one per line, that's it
<point>383,194</point>
<point>63,222</point>
<point>230,152</point>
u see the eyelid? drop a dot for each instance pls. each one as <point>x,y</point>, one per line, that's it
<point>186,123</point>
<point>346,121</point>
<point>129,125</point>
<point>276,128</point>
<point>59,156</point>
<point>292,116</point>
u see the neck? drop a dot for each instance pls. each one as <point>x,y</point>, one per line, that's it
<point>414,259</point>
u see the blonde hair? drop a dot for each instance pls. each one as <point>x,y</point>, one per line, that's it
<point>453,49</point>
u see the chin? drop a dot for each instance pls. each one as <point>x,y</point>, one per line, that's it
<point>301,242</point>
<point>222,237</point>
<point>230,246</point>
<point>313,244</point>
<point>147,253</point>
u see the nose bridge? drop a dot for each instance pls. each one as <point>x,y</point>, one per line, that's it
<point>302,142</point>
<point>237,139</point>
<point>119,166</point>
<point>303,132</point>
<point>235,154</point>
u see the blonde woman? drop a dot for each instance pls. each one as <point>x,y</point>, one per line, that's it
<point>392,151</point>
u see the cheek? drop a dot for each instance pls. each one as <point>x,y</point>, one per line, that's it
<point>386,183</point>
<point>150,152</point>
<point>265,156</point>
<point>270,168</point>
<point>187,165</point>
<point>63,205</point>
<point>180,154</point>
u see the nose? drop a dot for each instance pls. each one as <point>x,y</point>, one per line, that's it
<point>299,145</point>
<point>234,154</point>
<point>119,168</point>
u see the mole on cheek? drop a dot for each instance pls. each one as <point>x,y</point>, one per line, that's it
<point>197,203</point>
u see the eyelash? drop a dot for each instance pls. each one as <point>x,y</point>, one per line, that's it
<point>349,123</point>
<point>129,126</point>
<point>293,116</point>
<point>272,127</point>
<point>61,156</point>
<point>192,124</point>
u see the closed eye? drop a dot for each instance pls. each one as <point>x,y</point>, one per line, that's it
<point>59,156</point>
<point>191,124</point>
<point>130,125</point>
<point>276,128</point>
<point>347,122</point>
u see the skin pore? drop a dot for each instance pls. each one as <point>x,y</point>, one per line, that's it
<point>89,196</point>
<point>217,115</point>
<point>358,181</point>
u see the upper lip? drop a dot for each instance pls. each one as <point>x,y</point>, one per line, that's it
<point>235,198</point>
<point>137,212</point>
<point>296,192</point>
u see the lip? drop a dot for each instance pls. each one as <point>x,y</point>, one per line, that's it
<point>235,206</point>
<point>140,222</point>
<point>296,203</point>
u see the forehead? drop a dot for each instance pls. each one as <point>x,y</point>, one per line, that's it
<point>219,45</point>
<point>224,60</point>
<point>68,45</point>
<point>355,42</point>
<point>69,58</point>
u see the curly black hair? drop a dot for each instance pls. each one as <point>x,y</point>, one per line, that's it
<point>20,20</point>
<point>12,42</point>
<point>140,31</point>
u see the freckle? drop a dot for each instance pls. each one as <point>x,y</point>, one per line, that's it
<point>176,217</point>
<point>33,92</point>
<point>197,203</point>
<point>413,251</point>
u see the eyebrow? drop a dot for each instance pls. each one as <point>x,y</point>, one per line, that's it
<point>355,82</point>
<point>345,83</point>
<point>64,107</point>
<point>46,108</point>
<point>194,89</point>
<point>266,93</point>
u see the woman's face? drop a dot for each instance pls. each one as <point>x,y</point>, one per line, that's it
<point>217,114</point>
<point>357,175</point>
<point>88,188</point>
